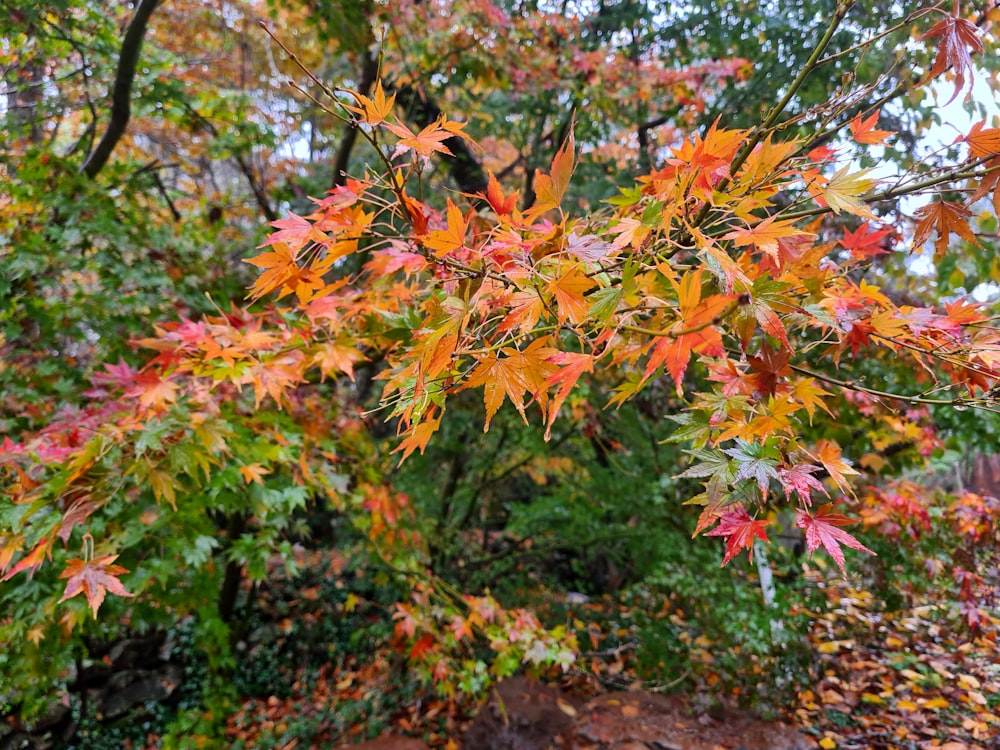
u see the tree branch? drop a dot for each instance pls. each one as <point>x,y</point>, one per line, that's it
<point>121,92</point>
<point>369,72</point>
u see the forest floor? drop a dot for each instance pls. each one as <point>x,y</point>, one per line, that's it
<point>909,679</point>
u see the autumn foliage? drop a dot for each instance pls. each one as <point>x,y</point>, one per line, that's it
<point>743,285</point>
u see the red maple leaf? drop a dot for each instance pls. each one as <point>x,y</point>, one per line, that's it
<point>822,528</point>
<point>958,36</point>
<point>799,479</point>
<point>864,244</point>
<point>424,645</point>
<point>741,530</point>
<point>95,578</point>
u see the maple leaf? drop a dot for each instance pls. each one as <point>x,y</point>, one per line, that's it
<point>296,232</point>
<point>526,307</point>
<point>773,419</point>
<point>154,392</point>
<point>428,141</point>
<point>827,453</point>
<point>568,291</point>
<point>254,473</point>
<point>841,192</point>
<point>333,358</point>
<point>460,627</point>
<point>695,331</point>
<point>588,248</point>
<point>279,267</point>
<point>958,36</point>
<point>572,366</point>
<point>424,645</point>
<point>94,579</point>
<point>550,188</point>
<point>121,375</point>
<point>865,244</point>
<point>30,562</point>
<point>418,437</point>
<point>769,366</point>
<point>512,376</point>
<point>755,461</point>
<point>983,143</point>
<point>163,485</point>
<point>947,217</point>
<point>864,132</point>
<point>502,204</point>
<point>799,479</point>
<point>811,396</point>
<point>821,528</point>
<point>373,111</point>
<point>444,241</point>
<point>741,530</point>
<point>764,235</point>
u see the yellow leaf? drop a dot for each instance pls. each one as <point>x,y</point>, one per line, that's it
<point>976,697</point>
<point>351,603</point>
<point>872,698</point>
<point>254,473</point>
<point>566,708</point>
<point>568,290</point>
<point>892,641</point>
<point>875,463</point>
<point>831,696</point>
<point>842,191</point>
<point>163,487</point>
<point>968,682</point>
<point>936,703</point>
<point>827,743</point>
<point>906,705</point>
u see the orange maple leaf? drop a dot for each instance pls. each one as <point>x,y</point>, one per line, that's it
<point>334,358</point>
<point>154,392</point>
<point>947,217</point>
<point>864,130</point>
<point>572,366</point>
<point>568,290</point>
<point>94,578</point>
<point>254,472</point>
<point>279,266</point>
<point>444,241</point>
<point>418,437</point>
<point>501,203</point>
<point>764,235</point>
<point>827,453</point>
<point>373,111</point>
<point>983,143</point>
<point>694,333</point>
<point>550,188</point>
<point>512,376</point>
<point>428,141</point>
